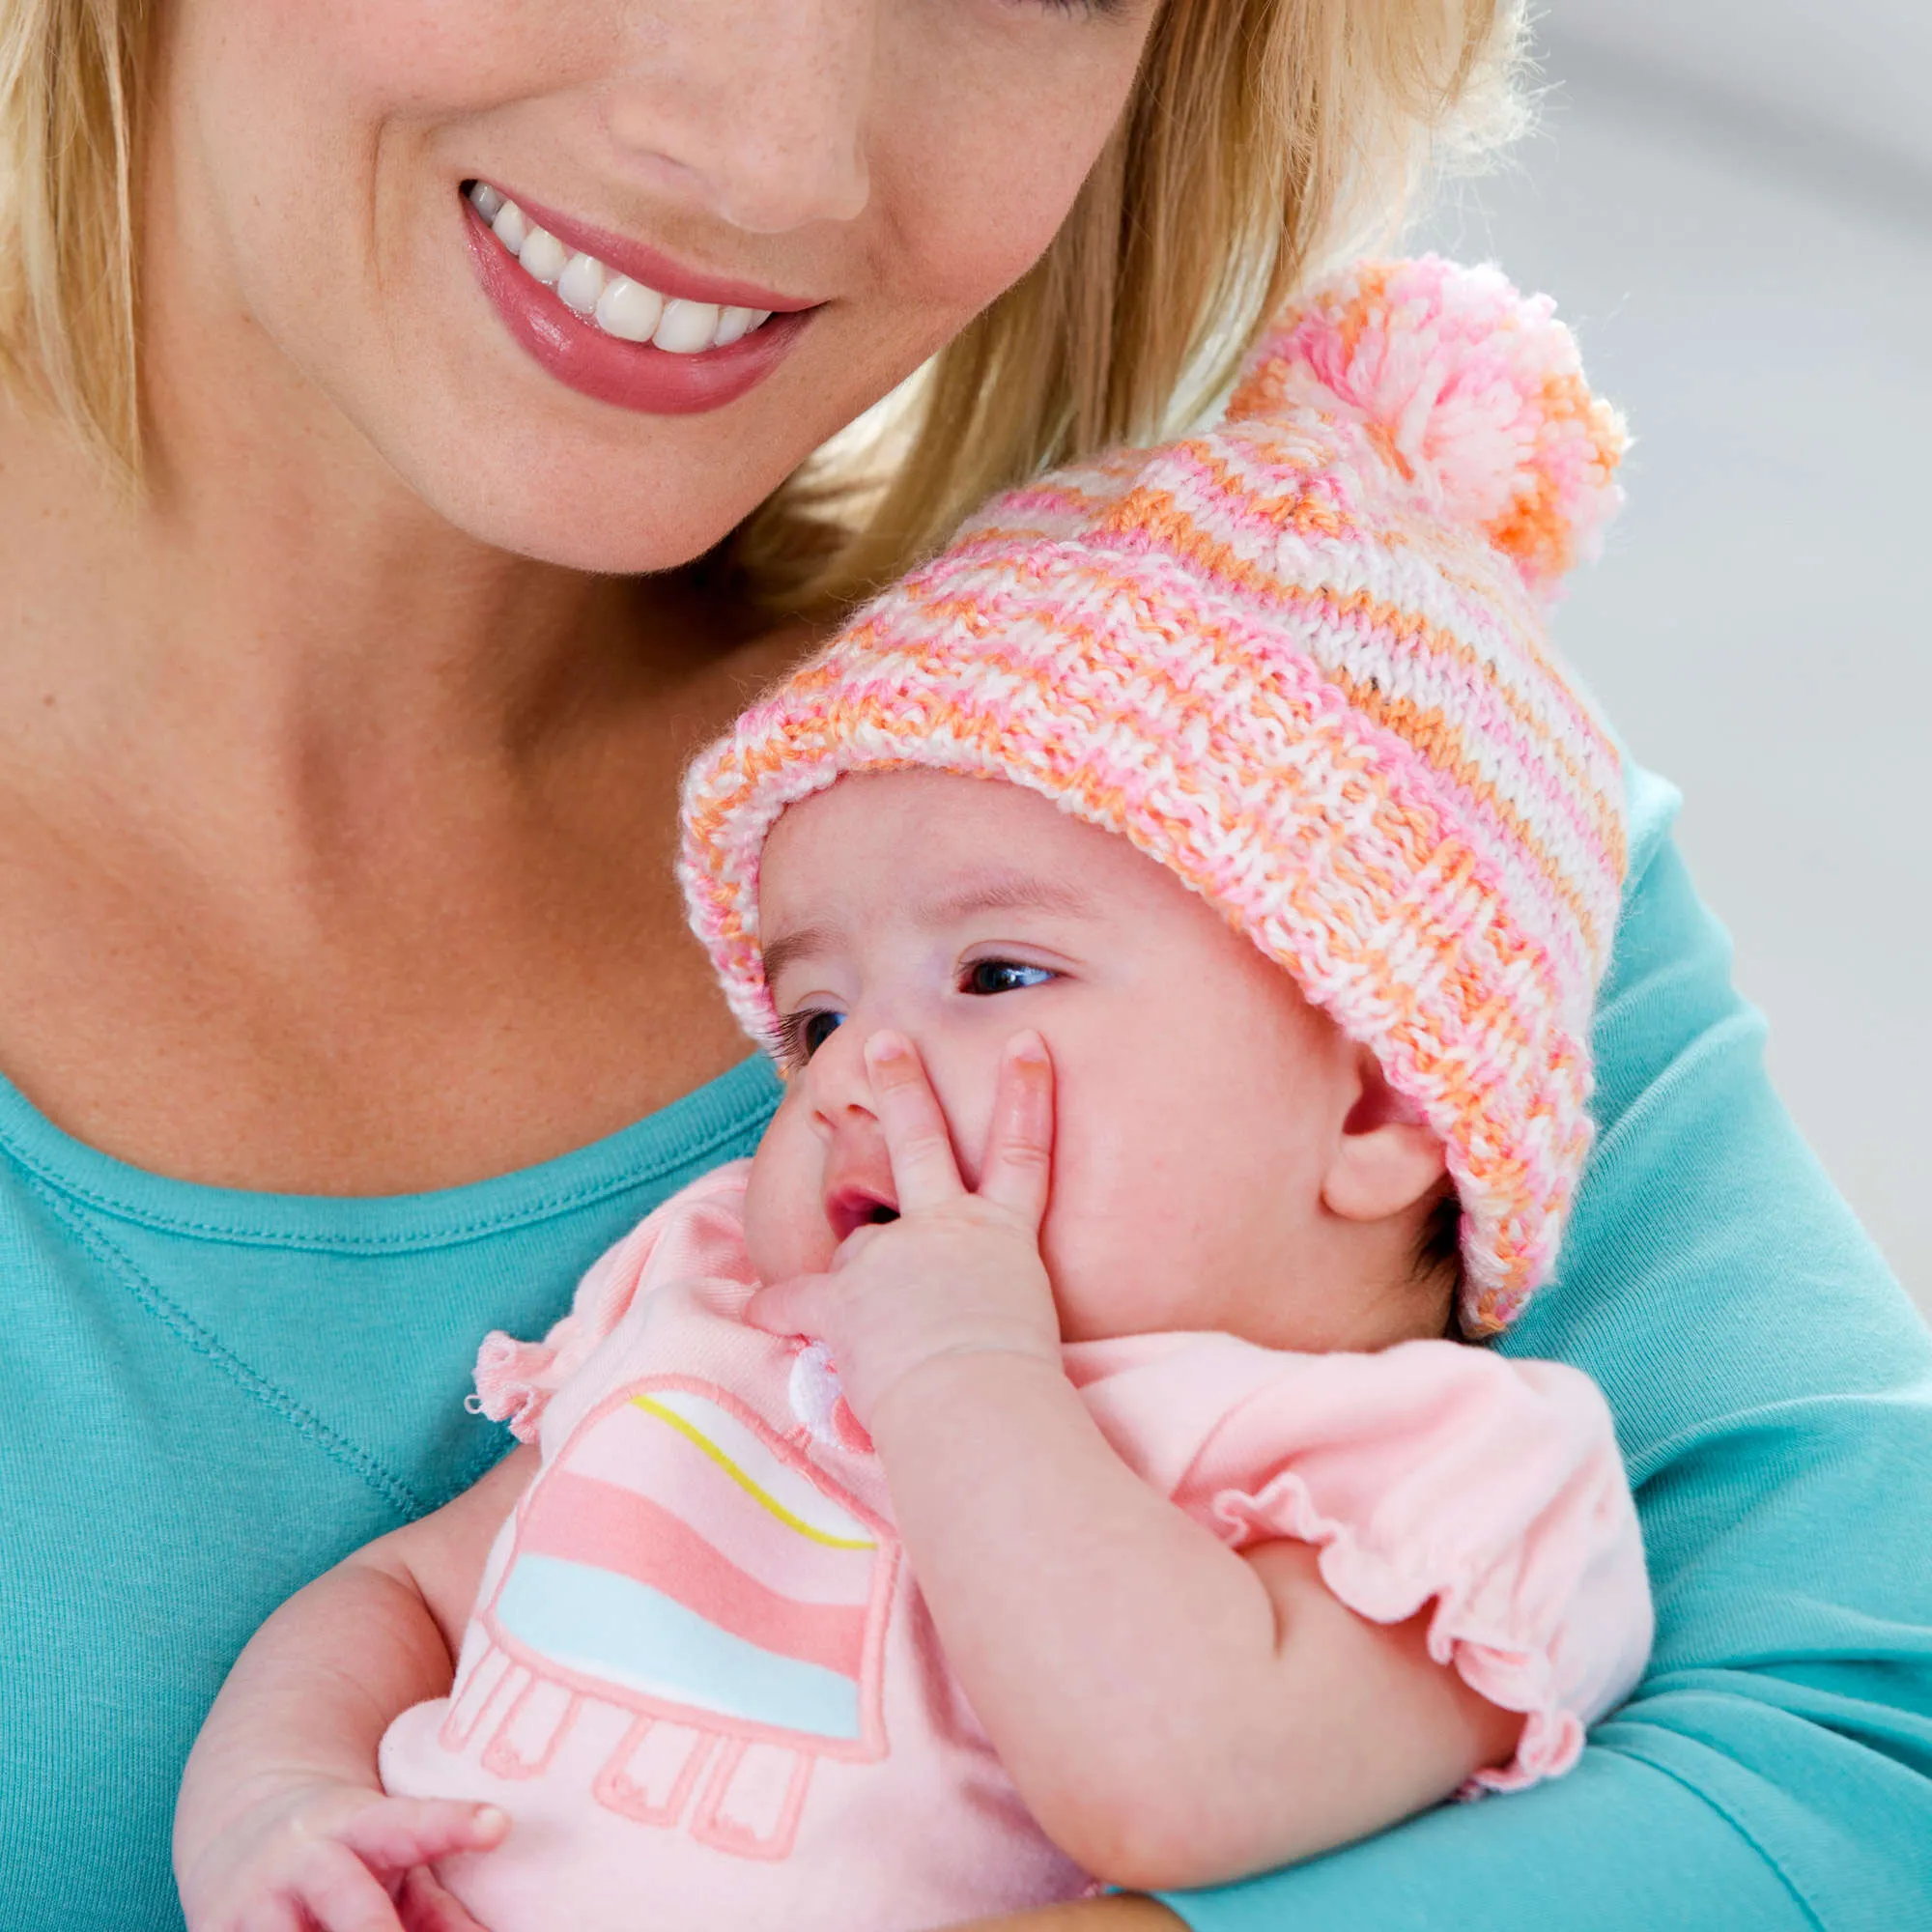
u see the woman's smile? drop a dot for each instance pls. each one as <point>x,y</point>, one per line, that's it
<point>617,321</point>
<point>725,232</point>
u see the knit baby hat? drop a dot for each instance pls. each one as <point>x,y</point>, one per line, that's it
<point>1302,661</point>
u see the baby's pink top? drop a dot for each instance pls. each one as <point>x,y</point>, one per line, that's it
<point>702,1682</point>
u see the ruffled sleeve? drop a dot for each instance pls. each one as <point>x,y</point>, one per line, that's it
<point>1487,1490</point>
<point>515,1381</point>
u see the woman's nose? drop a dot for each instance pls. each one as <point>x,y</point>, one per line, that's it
<point>757,109</point>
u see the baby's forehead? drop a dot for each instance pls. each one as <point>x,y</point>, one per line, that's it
<point>935,832</point>
<point>896,795</point>
<point>934,850</point>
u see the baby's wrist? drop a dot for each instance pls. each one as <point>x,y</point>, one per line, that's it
<point>929,1394</point>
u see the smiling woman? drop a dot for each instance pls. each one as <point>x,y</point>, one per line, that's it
<point>1092,204</point>
<point>270,121</point>
<point>367,584</point>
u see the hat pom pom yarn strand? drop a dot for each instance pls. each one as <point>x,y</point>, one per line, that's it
<point>1473,392</point>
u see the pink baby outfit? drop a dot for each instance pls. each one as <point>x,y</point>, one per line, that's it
<point>702,1684</point>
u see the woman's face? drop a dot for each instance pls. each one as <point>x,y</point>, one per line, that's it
<point>876,171</point>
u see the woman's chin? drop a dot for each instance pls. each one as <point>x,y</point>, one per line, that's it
<point>606,518</point>
<point>596,538</point>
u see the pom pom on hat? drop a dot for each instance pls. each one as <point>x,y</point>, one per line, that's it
<point>1471,392</point>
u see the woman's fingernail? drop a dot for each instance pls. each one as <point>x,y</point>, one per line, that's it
<point>1027,1049</point>
<point>885,1047</point>
<point>492,1819</point>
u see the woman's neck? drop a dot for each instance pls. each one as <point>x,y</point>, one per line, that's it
<point>276,613</point>
<point>336,846</point>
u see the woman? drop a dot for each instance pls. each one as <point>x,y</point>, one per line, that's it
<point>364,596</point>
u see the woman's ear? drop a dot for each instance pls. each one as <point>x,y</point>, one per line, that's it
<point>1386,1158</point>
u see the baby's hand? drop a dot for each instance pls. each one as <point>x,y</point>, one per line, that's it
<point>958,1272</point>
<point>337,1856</point>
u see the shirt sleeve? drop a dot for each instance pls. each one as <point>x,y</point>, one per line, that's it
<point>515,1379</point>
<point>1441,1478</point>
<point>1773,1393</point>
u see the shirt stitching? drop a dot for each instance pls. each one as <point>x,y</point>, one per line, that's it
<point>389,1486</point>
<point>546,1207</point>
<point>1634,1713</point>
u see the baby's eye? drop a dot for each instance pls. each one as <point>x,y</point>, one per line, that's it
<point>801,1034</point>
<point>818,1029</point>
<point>1001,976</point>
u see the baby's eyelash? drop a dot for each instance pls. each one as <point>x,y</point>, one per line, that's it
<point>784,1039</point>
<point>789,1039</point>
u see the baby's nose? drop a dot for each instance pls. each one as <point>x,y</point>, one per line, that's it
<point>835,1081</point>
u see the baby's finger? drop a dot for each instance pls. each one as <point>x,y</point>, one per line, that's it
<point>426,1906</point>
<point>399,1832</point>
<point>794,1307</point>
<point>271,1915</point>
<point>1018,1169</point>
<point>925,1173</point>
<point>341,1895</point>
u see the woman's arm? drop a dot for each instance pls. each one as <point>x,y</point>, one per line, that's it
<point>1773,1393</point>
<point>281,1800</point>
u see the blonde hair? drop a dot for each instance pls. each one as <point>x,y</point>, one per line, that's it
<point>69,79</point>
<point>1260,138</point>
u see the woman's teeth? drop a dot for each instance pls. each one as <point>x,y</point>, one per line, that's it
<point>616,305</point>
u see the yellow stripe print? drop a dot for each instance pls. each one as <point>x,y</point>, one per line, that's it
<point>744,1482</point>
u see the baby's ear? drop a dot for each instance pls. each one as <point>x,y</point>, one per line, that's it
<point>1386,1158</point>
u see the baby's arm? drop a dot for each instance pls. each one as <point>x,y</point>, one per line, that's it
<point>281,1810</point>
<point>1175,1714</point>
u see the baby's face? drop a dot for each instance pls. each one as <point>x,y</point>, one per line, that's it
<point>1199,1097</point>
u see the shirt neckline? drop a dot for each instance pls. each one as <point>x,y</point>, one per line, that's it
<point>713,1120</point>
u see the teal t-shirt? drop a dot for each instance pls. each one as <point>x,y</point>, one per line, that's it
<point>209,1397</point>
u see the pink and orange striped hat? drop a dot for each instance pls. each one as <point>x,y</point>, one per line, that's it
<point>1301,659</point>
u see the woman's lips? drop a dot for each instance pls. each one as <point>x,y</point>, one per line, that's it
<point>631,374</point>
<point>625,257</point>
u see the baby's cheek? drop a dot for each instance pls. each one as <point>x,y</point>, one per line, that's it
<point>1109,1250</point>
<point>1144,1204</point>
<point>786,1230</point>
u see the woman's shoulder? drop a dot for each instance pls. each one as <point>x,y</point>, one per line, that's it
<point>1770,1383</point>
<point>1711,1266</point>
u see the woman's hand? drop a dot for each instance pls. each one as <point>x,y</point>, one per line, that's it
<point>959,1271</point>
<point>337,1856</point>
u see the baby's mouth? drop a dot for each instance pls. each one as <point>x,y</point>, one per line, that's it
<point>852,1207</point>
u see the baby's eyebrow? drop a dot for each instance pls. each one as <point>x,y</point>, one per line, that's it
<point>1003,892</point>
<point>798,944</point>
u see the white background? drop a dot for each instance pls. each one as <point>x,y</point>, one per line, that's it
<point>1731,201</point>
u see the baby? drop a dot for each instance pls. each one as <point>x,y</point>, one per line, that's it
<point>1058,1457</point>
